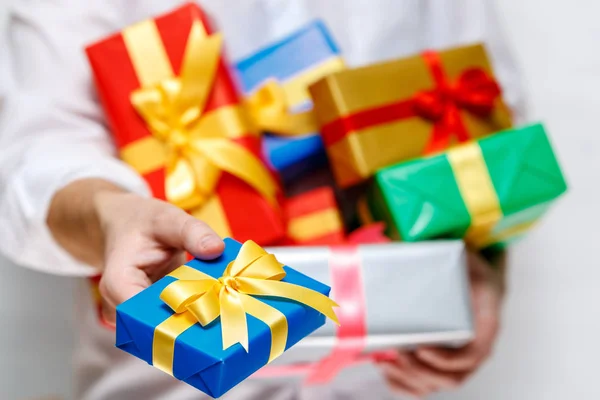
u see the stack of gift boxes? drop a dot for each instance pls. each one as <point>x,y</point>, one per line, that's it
<point>334,168</point>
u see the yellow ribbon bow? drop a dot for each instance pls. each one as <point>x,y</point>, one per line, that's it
<point>199,298</point>
<point>197,148</point>
<point>269,109</point>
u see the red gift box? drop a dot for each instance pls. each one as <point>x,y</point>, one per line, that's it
<point>313,218</point>
<point>176,118</point>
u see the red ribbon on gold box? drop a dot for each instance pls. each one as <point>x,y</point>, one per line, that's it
<point>379,115</point>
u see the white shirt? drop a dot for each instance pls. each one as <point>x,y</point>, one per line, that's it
<point>53,132</point>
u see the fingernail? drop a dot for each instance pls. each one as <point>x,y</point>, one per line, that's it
<point>209,242</point>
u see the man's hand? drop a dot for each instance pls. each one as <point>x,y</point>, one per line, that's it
<point>429,369</point>
<point>133,241</point>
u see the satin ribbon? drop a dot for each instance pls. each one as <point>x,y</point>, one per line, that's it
<point>347,286</point>
<point>348,289</point>
<point>196,297</point>
<point>315,225</point>
<point>373,233</point>
<point>474,91</point>
<point>313,218</point>
<point>197,149</point>
<point>308,369</point>
<point>269,109</point>
<point>477,191</point>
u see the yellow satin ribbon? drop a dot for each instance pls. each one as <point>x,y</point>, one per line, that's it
<point>199,298</point>
<point>197,148</point>
<point>478,193</point>
<point>269,105</point>
<point>315,225</point>
<point>269,109</point>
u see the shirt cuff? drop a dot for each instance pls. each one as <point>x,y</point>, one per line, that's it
<point>27,239</point>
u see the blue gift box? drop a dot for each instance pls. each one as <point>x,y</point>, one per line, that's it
<point>296,60</point>
<point>199,358</point>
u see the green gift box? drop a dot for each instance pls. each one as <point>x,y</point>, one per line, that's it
<point>488,192</point>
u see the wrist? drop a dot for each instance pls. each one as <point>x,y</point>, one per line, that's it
<point>106,200</point>
<point>74,219</point>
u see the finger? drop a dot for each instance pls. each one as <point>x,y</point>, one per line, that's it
<point>399,373</point>
<point>176,228</point>
<point>402,390</point>
<point>468,358</point>
<point>108,315</point>
<point>434,379</point>
<point>156,272</point>
<point>121,279</point>
<point>458,360</point>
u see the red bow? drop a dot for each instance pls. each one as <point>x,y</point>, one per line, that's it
<point>474,91</point>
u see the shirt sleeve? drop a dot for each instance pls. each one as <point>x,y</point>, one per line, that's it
<point>51,127</point>
<point>456,22</point>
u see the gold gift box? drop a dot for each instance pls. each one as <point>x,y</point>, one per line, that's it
<point>366,115</point>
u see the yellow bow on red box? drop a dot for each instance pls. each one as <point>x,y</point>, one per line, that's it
<point>198,148</point>
<point>199,298</point>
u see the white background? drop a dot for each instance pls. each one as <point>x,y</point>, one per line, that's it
<point>549,343</point>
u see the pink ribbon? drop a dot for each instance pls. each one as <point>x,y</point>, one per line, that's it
<point>348,292</point>
<point>346,282</point>
<point>284,371</point>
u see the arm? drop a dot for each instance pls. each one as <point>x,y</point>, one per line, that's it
<point>133,240</point>
<point>67,204</point>
<point>51,127</point>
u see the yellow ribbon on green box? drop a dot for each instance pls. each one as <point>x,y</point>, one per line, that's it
<point>199,298</point>
<point>477,191</point>
<point>480,198</point>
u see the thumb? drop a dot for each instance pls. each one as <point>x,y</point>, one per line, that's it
<point>178,229</point>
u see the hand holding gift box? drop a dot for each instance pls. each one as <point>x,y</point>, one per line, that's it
<point>378,115</point>
<point>176,118</point>
<point>214,323</point>
<point>276,78</point>
<point>488,192</point>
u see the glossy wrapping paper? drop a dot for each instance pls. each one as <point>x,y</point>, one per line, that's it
<point>295,62</point>
<point>146,56</point>
<point>197,355</point>
<point>413,294</point>
<point>375,116</point>
<point>488,192</point>
<point>313,218</point>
